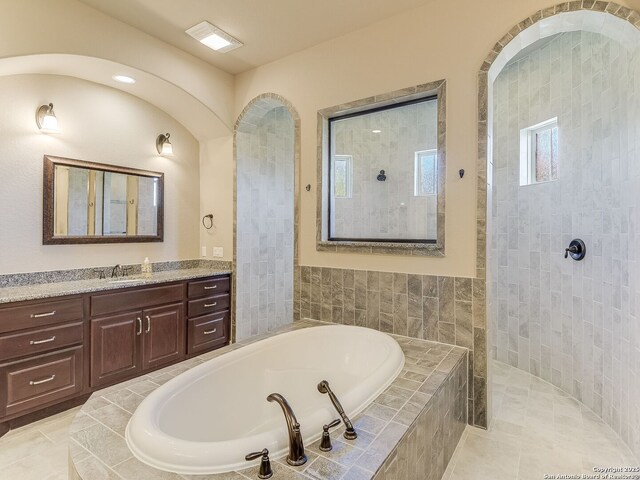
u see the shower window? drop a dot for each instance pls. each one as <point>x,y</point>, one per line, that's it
<point>539,153</point>
<point>382,169</point>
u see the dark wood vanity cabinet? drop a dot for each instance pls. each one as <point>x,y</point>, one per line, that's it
<point>42,354</point>
<point>208,310</point>
<point>57,350</point>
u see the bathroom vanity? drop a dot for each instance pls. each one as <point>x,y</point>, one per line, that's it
<point>55,350</point>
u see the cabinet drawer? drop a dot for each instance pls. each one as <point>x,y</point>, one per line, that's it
<point>211,286</point>
<point>207,305</point>
<point>40,314</point>
<point>135,299</point>
<point>37,381</point>
<point>207,332</point>
<point>40,340</point>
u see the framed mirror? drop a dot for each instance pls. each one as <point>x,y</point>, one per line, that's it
<point>86,202</point>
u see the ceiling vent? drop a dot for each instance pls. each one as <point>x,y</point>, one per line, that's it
<point>214,38</point>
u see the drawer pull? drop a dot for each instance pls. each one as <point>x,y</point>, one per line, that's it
<point>148,324</point>
<point>44,380</point>
<point>209,305</point>
<point>139,331</point>
<point>39,342</point>
<point>209,332</point>
<point>40,315</point>
<point>212,287</point>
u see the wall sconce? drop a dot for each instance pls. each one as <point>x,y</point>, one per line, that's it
<point>163,145</point>
<point>46,119</point>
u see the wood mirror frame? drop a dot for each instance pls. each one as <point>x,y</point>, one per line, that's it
<point>48,211</point>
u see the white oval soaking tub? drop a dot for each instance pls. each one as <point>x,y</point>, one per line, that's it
<point>207,419</point>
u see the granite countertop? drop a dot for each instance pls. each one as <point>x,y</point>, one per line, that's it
<point>98,449</point>
<point>58,289</point>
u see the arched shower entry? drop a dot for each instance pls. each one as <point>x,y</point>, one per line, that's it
<point>266,151</point>
<point>572,68</point>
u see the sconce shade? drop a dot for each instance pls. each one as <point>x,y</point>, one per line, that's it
<point>46,119</point>
<point>163,145</point>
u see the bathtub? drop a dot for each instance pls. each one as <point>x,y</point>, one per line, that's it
<point>207,419</point>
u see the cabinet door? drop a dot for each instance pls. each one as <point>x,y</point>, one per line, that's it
<point>163,337</point>
<point>115,348</point>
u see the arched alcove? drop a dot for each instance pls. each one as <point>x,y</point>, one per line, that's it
<point>266,154</point>
<point>190,111</point>
<point>584,339</point>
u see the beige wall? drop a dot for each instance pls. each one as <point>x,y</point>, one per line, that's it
<point>216,194</point>
<point>98,124</point>
<point>447,40</point>
<point>31,27</point>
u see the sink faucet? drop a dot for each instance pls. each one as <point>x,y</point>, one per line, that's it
<point>296,455</point>
<point>117,269</point>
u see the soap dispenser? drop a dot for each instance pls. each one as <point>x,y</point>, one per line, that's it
<point>146,267</point>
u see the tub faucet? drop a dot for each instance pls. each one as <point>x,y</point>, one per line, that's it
<point>296,455</point>
<point>350,432</point>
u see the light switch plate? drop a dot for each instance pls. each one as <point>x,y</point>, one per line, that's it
<point>218,252</point>
<point>204,251</point>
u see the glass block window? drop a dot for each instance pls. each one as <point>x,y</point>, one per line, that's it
<point>426,173</point>
<point>342,184</point>
<point>539,156</point>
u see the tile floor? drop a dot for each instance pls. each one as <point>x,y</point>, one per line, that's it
<point>38,451</point>
<point>536,429</point>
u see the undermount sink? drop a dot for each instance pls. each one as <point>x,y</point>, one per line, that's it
<point>126,280</point>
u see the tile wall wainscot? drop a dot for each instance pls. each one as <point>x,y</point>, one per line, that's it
<point>410,431</point>
<point>443,309</point>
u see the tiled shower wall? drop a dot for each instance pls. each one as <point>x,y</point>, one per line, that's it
<point>264,222</point>
<point>387,209</point>
<point>444,309</point>
<point>574,324</point>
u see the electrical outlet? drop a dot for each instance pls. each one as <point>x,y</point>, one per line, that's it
<point>218,252</point>
<point>204,251</point>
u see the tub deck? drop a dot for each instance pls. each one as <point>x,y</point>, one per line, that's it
<point>408,433</point>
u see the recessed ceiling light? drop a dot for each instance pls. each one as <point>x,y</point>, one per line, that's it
<point>213,37</point>
<point>124,79</point>
<point>376,131</point>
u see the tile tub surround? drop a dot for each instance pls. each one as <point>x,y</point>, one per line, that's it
<point>441,309</point>
<point>422,413</point>
<point>574,324</point>
<point>58,286</point>
<point>264,253</point>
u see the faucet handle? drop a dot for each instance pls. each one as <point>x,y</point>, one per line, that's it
<point>99,271</point>
<point>265,465</point>
<point>325,444</point>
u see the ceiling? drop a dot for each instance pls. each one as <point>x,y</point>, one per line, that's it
<point>269,29</point>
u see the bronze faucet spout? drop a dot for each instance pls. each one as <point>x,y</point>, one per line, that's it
<point>296,455</point>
